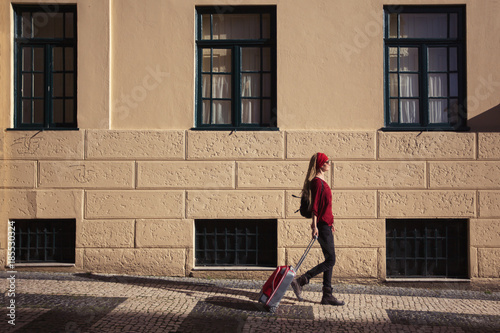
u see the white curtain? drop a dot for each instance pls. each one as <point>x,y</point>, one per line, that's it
<point>250,108</point>
<point>221,110</point>
<point>221,88</point>
<point>438,87</point>
<point>408,85</point>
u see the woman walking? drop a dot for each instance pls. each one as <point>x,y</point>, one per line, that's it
<point>320,200</point>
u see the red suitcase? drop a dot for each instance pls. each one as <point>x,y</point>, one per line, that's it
<point>276,286</point>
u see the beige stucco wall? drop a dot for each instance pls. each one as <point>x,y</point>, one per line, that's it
<point>134,176</point>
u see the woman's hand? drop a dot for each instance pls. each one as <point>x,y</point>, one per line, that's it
<point>314,227</point>
<point>315,232</point>
<point>333,228</point>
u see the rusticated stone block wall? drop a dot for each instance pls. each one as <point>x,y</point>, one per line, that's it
<point>136,193</point>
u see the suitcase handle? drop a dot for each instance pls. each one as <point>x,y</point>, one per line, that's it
<point>305,253</point>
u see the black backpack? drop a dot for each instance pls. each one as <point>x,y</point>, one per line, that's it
<point>304,204</point>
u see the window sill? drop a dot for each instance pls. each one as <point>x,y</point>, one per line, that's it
<point>42,264</point>
<point>42,129</point>
<point>424,129</point>
<point>234,268</point>
<point>236,129</point>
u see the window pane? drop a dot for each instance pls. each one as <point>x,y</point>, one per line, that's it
<point>266,26</point>
<point>38,59</point>
<point>57,60</point>
<point>48,25</point>
<point>423,25</point>
<point>250,111</point>
<point>69,25</point>
<point>221,60</point>
<point>250,59</point>
<point>453,84</point>
<point>266,112</point>
<point>38,85</point>
<point>394,109</point>
<point>438,59</point>
<point>69,85</point>
<point>205,113</point>
<point>393,25</point>
<point>408,85</point>
<point>205,26</point>
<point>453,25</point>
<point>57,85</point>
<point>236,26</point>
<point>250,85</point>
<point>393,84</point>
<point>221,86</point>
<point>206,60</point>
<point>266,59</point>
<point>438,111</point>
<point>205,86</point>
<point>410,111</point>
<point>57,111</point>
<point>453,116</point>
<point>69,110</point>
<point>453,59</point>
<point>266,85</point>
<point>26,55</point>
<point>408,59</point>
<point>221,112</point>
<point>27,83</point>
<point>438,85</point>
<point>38,111</point>
<point>26,118</point>
<point>26,25</point>
<point>393,59</point>
<point>68,59</point>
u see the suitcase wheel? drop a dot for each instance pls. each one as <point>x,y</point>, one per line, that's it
<point>272,309</point>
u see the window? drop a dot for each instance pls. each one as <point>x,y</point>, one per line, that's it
<point>236,75</point>
<point>427,248</point>
<point>236,243</point>
<point>39,241</point>
<point>425,68</point>
<point>45,67</point>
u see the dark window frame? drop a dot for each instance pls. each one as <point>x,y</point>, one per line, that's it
<point>438,246</point>
<point>48,240</point>
<point>48,45</point>
<point>236,45</point>
<point>459,121</point>
<point>236,242</point>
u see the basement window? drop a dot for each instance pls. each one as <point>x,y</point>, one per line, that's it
<point>236,243</point>
<point>45,241</point>
<point>427,248</point>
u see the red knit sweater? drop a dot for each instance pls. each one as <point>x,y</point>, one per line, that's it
<point>322,206</point>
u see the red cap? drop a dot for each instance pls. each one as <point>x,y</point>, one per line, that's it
<point>320,160</point>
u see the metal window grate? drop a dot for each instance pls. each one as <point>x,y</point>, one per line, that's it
<point>236,242</point>
<point>45,241</point>
<point>427,248</point>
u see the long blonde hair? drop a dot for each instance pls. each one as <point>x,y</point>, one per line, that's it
<point>311,173</point>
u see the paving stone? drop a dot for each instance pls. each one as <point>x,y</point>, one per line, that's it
<point>94,303</point>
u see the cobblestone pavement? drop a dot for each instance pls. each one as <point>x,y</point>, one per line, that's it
<point>57,302</point>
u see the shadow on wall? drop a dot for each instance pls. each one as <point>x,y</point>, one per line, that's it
<point>488,121</point>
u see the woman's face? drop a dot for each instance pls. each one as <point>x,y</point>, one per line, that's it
<point>326,166</point>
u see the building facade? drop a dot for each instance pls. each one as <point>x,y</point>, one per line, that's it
<point>165,137</point>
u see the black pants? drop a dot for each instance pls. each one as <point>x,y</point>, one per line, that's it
<point>325,239</point>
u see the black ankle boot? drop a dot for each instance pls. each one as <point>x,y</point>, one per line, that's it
<point>328,298</point>
<point>297,285</point>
